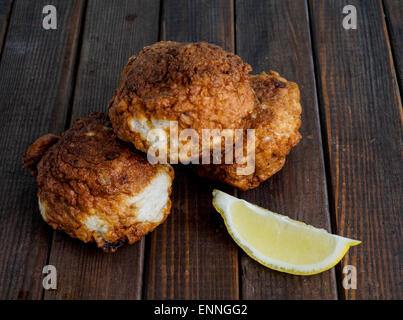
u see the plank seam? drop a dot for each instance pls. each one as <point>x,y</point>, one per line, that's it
<point>160,13</point>
<point>76,67</point>
<point>324,141</point>
<point>235,29</point>
<point>388,27</point>
<point>4,29</point>
<point>76,54</point>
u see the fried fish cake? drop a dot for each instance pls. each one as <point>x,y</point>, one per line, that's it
<point>97,188</point>
<point>198,85</point>
<point>276,120</point>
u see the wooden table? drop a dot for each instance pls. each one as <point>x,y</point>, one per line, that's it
<point>346,175</point>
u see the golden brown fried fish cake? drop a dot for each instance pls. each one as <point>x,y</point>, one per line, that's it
<point>199,85</point>
<point>97,188</point>
<point>276,120</point>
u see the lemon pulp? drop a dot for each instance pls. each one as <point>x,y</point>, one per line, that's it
<point>260,230</point>
<point>277,241</point>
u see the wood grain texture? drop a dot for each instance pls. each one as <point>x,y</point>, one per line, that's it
<point>394,17</point>
<point>47,77</point>
<point>31,78</point>
<point>363,117</point>
<point>114,30</point>
<point>279,39</point>
<point>5,10</point>
<point>191,256</point>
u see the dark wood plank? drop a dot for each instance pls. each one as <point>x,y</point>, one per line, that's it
<point>279,39</point>
<point>191,256</point>
<point>362,114</point>
<point>394,18</point>
<point>5,10</point>
<point>33,72</point>
<point>114,30</point>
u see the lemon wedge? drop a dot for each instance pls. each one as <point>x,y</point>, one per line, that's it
<point>277,241</point>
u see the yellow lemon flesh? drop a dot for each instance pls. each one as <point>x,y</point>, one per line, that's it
<point>277,241</point>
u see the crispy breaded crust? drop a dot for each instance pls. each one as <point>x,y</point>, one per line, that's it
<point>87,177</point>
<point>276,120</point>
<point>36,151</point>
<point>197,84</point>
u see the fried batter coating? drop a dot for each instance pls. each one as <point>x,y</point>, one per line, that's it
<point>199,85</point>
<point>36,151</point>
<point>97,188</point>
<point>276,120</point>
